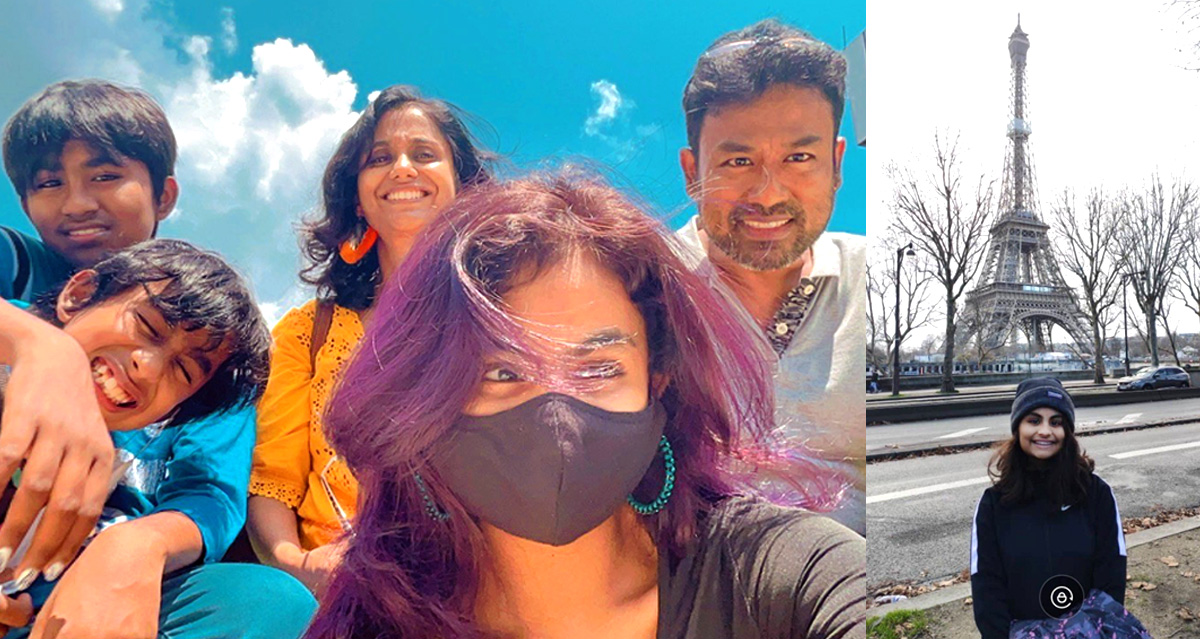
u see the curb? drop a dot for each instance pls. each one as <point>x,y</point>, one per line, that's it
<point>999,405</point>
<point>961,591</point>
<point>949,449</point>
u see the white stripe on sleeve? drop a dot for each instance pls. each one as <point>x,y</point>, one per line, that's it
<point>975,539</point>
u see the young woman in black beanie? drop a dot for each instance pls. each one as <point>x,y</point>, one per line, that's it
<point>1047,550</point>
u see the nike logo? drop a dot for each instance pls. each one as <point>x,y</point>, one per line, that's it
<point>1066,507</point>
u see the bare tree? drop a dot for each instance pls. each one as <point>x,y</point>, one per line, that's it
<point>1153,240</point>
<point>878,337</point>
<point>1187,280</point>
<point>947,223</point>
<point>976,320</point>
<point>1087,246</point>
<point>916,308</point>
<point>1164,312</point>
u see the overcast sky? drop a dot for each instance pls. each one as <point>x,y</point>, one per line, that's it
<point>1111,97</point>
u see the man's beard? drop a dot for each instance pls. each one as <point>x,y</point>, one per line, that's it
<point>767,256</point>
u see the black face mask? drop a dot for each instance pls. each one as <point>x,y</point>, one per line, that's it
<point>550,469</point>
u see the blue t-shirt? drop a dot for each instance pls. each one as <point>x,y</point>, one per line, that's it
<point>28,267</point>
<point>201,469</point>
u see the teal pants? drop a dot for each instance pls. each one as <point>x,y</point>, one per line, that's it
<point>230,601</point>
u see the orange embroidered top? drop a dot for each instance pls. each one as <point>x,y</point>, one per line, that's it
<point>291,451</point>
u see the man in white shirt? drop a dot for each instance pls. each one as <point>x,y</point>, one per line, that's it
<point>763,164</point>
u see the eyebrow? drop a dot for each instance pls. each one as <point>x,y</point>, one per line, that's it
<point>197,355</point>
<point>103,158</point>
<point>729,146</point>
<point>604,338</point>
<point>806,141</point>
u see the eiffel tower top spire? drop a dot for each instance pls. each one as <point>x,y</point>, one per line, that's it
<point>1018,195</point>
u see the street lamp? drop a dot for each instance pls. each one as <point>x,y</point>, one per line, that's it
<point>1125,311</point>
<point>900,253</point>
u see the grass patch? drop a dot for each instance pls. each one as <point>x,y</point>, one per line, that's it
<point>899,624</point>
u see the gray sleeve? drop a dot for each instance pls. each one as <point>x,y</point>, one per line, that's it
<point>808,579</point>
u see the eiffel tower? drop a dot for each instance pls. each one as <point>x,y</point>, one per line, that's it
<point>1021,285</point>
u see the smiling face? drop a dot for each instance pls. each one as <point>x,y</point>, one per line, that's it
<point>599,339</point>
<point>407,174</point>
<point>142,366</point>
<point>86,204</point>
<point>765,175</point>
<point>1041,433</point>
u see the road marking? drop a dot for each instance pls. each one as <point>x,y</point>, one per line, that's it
<point>1152,451</point>
<point>913,492</point>
<point>963,433</point>
<point>1129,418</point>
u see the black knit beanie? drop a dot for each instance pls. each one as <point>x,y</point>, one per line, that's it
<point>1039,392</point>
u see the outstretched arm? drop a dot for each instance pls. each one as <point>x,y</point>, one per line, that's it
<point>52,422</point>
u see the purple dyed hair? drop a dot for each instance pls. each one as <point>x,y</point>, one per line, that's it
<point>407,575</point>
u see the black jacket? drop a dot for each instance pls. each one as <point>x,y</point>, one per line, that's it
<point>1015,549</point>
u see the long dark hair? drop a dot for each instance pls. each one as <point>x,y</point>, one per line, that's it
<point>353,285</point>
<point>1063,479</point>
<point>406,574</point>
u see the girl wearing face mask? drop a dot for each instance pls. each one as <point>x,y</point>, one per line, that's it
<point>1047,549</point>
<point>397,168</point>
<point>565,455</point>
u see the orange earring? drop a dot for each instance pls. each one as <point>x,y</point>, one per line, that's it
<point>351,252</point>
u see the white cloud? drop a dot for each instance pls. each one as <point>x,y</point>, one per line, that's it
<point>252,145</point>
<point>611,103</point>
<point>109,7</point>
<point>610,123</point>
<point>229,40</point>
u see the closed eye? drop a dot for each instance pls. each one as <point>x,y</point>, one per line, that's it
<point>183,369</point>
<point>147,326</point>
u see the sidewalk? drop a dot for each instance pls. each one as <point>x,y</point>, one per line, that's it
<point>1162,588</point>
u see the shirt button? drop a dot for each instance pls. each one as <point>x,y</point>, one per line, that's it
<point>781,329</point>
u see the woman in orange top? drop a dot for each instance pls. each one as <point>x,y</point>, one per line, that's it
<point>400,164</point>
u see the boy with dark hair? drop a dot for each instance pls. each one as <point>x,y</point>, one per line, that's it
<point>92,165</point>
<point>763,164</point>
<point>173,336</point>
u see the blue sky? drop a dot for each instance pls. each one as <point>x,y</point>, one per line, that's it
<point>259,92</point>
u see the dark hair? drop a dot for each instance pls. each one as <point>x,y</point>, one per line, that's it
<point>353,285</point>
<point>407,575</point>
<point>1063,479</point>
<point>202,293</point>
<point>742,65</point>
<point>116,120</point>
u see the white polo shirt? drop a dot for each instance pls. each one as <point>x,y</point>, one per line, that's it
<point>820,385</point>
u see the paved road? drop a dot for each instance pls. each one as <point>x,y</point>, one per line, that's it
<point>955,430</point>
<point>919,510</point>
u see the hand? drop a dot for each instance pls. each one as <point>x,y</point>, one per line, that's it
<point>113,591</point>
<point>52,420</point>
<point>317,566</point>
<point>14,613</point>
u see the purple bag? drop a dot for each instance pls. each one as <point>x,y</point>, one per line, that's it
<point>1100,617</point>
